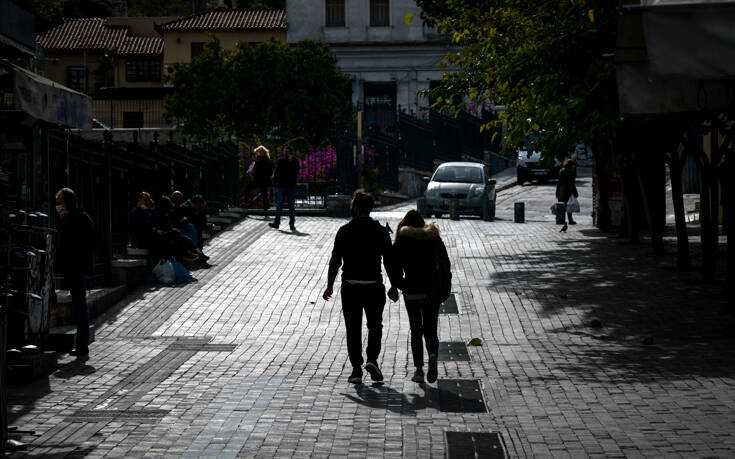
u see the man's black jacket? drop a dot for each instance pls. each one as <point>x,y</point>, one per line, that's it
<point>287,172</point>
<point>360,244</point>
<point>75,253</point>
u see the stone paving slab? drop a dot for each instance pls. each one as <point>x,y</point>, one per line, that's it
<point>250,361</point>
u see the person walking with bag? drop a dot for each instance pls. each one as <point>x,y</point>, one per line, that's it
<point>262,170</point>
<point>426,282</point>
<point>566,188</point>
<point>358,248</point>
<point>75,259</point>
<point>287,171</point>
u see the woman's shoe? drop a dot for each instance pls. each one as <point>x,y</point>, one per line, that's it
<point>433,372</point>
<point>418,375</point>
<point>572,222</point>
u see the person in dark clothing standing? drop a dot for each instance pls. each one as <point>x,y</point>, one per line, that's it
<point>358,248</point>
<point>566,186</point>
<point>75,259</point>
<point>287,170</point>
<point>262,171</point>
<point>418,248</point>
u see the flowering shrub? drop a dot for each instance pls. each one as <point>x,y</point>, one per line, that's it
<point>319,165</point>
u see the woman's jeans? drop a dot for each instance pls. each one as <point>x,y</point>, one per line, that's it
<point>423,316</point>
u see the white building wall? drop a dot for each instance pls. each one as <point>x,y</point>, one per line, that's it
<point>405,54</point>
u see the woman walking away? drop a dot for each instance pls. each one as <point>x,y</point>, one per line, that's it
<point>566,187</point>
<point>262,170</point>
<point>419,249</point>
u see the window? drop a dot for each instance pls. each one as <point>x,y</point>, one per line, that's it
<point>132,119</point>
<point>143,70</point>
<point>197,48</point>
<point>379,13</point>
<point>335,13</point>
<point>76,78</point>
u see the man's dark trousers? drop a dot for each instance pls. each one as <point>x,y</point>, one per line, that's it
<point>286,192</point>
<point>78,289</point>
<point>355,298</point>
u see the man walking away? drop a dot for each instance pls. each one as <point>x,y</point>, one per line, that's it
<point>358,248</point>
<point>287,170</point>
<point>75,259</point>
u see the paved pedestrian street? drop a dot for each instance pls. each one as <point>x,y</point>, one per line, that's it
<point>250,361</point>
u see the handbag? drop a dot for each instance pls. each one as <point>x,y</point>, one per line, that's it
<point>164,272</point>
<point>572,204</point>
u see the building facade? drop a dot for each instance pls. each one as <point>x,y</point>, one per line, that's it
<point>389,57</point>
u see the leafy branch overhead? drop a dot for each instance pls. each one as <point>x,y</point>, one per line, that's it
<point>547,63</point>
<point>270,90</point>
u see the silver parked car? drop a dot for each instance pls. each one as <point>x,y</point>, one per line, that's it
<point>467,183</point>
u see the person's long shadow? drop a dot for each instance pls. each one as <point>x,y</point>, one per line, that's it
<point>380,396</point>
<point>294,233</point>
<point>76,367</point>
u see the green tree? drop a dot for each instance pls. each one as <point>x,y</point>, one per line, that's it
<point>546,63</point>
<point>254,92</point>
<point>157,7</point>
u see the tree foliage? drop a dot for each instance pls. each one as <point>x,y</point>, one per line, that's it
<point>548,62</point>
<point>254,92</point>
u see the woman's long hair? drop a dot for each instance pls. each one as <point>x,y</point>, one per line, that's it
<point>412,218</point>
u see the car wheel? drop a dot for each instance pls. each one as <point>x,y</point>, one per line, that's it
<point>437,215</point>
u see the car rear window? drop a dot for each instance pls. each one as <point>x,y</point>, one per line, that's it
<point>461,174</point>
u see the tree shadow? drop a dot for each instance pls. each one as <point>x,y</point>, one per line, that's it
<point>639,320</point>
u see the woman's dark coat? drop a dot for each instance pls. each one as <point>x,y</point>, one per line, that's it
<point>565,185</point>
<point>416,250</point>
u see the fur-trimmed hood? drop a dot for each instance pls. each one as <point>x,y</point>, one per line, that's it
<point>426,233</point>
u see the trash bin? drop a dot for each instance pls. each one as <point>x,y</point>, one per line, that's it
<point>561,210</point>
<point>519,212</point>
<point>454,209</point>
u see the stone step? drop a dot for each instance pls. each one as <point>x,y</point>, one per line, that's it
<point>129,271</point>
<point>223,220</point>
<point>233,215</point>
<point>137,252</point>
<point>239,210</point>
<point>27,368</point>
<point>63,337</point>
<point>98,301</point>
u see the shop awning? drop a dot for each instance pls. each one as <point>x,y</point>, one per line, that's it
<point>676,56</point>
<point>49,101</point>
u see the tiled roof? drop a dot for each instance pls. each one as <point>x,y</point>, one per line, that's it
<point>141,45</point>
<point>91,34</point>
<point>226,19</point>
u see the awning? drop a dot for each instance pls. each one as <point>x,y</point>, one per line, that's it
<point>49,101</point>
<point>675,56</point>
<point>691,39</point>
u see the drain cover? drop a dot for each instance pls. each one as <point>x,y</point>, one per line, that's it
<point>474,445</point>
<point>449,306</point>
<point>453,351</point>
<point>460,396</point>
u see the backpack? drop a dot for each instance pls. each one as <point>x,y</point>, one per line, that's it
<point>442,276</point>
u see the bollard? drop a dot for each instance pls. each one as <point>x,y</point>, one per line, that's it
<point>561,210</point>
<point>454,209</point>
<point>519,209</point>
<point>421,207</point>
<point>487,211</point>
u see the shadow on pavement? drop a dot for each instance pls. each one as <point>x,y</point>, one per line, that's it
<point>381,396</point>
<point>656,322</point>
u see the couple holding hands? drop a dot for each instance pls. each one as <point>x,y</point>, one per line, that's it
<point>417,263</point>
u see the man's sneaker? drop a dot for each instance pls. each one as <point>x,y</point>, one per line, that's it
<point>433,372</point>
<point>418,376</point>
<point>274,225</point>
<point>356,376</point>
<point>292,226</point>
<point>375,374</point>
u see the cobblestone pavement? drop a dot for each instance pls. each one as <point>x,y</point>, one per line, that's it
<point>250,361</point>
